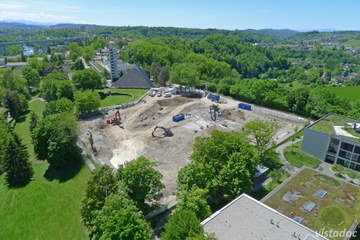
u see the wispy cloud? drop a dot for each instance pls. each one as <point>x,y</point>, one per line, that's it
<point>12,6</point>
<point>39,17</point>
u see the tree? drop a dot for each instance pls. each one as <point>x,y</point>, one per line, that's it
<point>75,51</point>
<point>65,89</point>
<point>185,74</point>
<point>50,84</point>
<point>33,121</point>
<point>5,135</point>
<point>15,102</point>
<point>62,105</point>
<point>32,76</point>
<point>37,65</point>
<point>78,65</point>
<point>195,201</point>
<point>182,225</point>
<point>101,184</point>
<point>141,181</point>
<point>87,79</point>
<point>16,163</point>
<point>235,177</point>
<point>212,163</point>
<point>120,219</point>
<point>276,175</point>
<point>164,76</point>
<point>261,134</point>
<point>297,100</point>
<point>86,101</point>
<point>55,139</point>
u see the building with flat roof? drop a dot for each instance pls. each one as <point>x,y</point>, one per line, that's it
<point>246,218</point>
<point>334,139</point>
<point>113,61</point>
<point>18,65</point>
<point>318,201</point>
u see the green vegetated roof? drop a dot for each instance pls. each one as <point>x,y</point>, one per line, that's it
<point>327,123</point>
<point>336,210</point>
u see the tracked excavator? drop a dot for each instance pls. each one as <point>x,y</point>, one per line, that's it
<point>214,112</point>
<point>167,132</point>
<point>116,120</point>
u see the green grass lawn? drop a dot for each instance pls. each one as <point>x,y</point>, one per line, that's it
<point>336,211</point>
<point>353,43</point>
<point>349,92</point>
<point>46,208</point>
<point>297,158</point>
<point>324,126</point>
<point>344,170</point>
<point>120,96</point>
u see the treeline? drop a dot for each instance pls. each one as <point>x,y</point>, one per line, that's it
<point>254,74</point>
<point>54,134</point>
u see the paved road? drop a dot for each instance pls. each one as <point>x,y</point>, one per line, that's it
<point>280,150</point>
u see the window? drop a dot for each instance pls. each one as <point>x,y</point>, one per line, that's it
<point>345,154</point>
<point>353,166</point>
<point>330,159</point>
<point>355,158</point>
<point>340,161</point>
<point>347,146</point>
<point>357,149</point>
<point>333,145</point>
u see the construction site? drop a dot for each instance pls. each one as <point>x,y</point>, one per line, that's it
<point>164,130</point>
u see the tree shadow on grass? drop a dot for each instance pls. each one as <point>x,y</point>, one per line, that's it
<point>19,185</point>
<point>65,173</point>
<point>21,119</point>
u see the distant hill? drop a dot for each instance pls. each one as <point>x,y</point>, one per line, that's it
<point>78,26</point>
<point>338,37</point>
<point>6,24</point>
<point>280,33</point>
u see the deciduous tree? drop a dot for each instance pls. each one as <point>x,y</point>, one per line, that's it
<point>142,181</point>
<point>120,219</point>
<point>101,184</point>
<point>86,101</point>
<point>86,79</point>
<point>195,201</point>
<point>62,105</point>
<point>55,139</point>
<point>213,162</point>
<point>182,225</point>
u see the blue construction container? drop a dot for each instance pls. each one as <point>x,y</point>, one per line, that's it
<point>244,106</point>
<point>214,97</point>
<point>178,118</point>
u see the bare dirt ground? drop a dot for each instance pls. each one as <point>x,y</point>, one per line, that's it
<point>115,146</point>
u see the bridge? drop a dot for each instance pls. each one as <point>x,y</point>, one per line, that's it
<point>44,42</point>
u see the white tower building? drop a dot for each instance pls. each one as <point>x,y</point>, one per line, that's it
<point>113,60</point>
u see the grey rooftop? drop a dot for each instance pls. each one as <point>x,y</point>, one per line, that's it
<point>246,218</point>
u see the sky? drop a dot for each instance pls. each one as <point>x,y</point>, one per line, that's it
<point>303,15</point>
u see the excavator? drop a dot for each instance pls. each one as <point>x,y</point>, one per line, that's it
<point>214,112</point>
<point>167,132</point>
<point>116,120</point>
